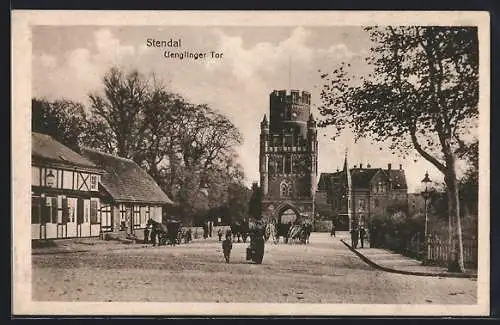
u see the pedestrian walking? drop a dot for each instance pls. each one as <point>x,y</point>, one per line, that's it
<point>332,232</point>
<point>219,233</point>
<point>205,230</point>
<point>354,237</point>
<point>362,235</point>
<point>227,245</point>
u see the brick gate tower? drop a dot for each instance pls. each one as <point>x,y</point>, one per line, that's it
<point>288,157</point>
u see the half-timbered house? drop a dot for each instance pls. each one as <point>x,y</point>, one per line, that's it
<point>64,188</point>
<point>129,195</point>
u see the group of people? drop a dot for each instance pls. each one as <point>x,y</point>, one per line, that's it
<point>358,235</point>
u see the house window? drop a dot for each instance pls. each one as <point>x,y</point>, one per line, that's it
<point>72,209</point>
<point>288,140</point>
<point>35,176</point>
<point>285,189</point>
<point>106,222</point>
<point>35,209</point>
<point>123,213</point>
<point>64,210</point>
<point>93,182</point>
<point>137,216</point>
<point>67,177</point>
<point>49,210</point>
<point>94,217</point>
<point>146,214</point>
<point>382,187</point>
<point>86,215</point>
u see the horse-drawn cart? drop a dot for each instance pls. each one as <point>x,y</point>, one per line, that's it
<point>173,230</point>
<point>167,233</point>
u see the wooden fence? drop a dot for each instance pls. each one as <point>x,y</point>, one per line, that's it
<point>438,251</point>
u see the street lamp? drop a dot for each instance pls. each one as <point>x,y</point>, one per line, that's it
<point>426,195</point>
<point>50,179</point>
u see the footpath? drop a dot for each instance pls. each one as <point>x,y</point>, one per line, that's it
<point>95,244</point>
<point>388,261</point>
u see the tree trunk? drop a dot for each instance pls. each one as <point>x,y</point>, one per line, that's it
<point>456,258</point>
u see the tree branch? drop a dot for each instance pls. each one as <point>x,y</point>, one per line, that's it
<point>425,154</point>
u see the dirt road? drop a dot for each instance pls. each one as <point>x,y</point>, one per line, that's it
<point>324,271</point>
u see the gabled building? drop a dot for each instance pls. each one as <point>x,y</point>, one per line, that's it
<point>64,191</point>
<point>357,195</point>
<point>129,195</point>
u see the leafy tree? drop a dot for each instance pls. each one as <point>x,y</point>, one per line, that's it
<point>183,146</point>
<point>62,119</point>
<point>254,204</point>
<point>422,94</point>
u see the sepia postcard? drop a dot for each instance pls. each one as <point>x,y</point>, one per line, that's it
<point>250,163</point>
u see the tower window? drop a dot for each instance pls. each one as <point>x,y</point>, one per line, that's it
<point>279,165</point>
<point>285,189</point>
<point>277,140</point>
<point>288,164</point>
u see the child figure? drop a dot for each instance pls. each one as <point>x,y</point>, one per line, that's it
<point>219,233</point>
<point>227,245</point>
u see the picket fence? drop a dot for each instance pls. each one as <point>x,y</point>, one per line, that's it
<point>439,251</point>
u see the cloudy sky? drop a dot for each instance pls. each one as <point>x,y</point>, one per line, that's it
<point>70,61</point>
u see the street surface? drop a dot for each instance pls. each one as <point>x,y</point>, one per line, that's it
<point>324,271</point>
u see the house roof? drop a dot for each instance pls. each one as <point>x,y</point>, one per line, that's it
<point>324,181</point>
<point>397,177</point>
<point>125,181</point>
<point>361,178</point>
<point>46,148</point>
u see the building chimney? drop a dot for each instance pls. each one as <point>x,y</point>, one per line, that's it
<point>360,166</point>
<point>400,166</point>
<point>389,166</point>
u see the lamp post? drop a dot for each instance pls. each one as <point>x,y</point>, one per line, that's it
<point>426,195</point>
<point>50,179</point>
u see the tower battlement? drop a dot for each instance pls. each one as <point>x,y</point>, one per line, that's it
<point>291,97</point>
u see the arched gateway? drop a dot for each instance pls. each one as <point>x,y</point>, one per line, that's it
<point>288,158</point>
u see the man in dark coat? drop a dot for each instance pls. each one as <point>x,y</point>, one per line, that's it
<point>227,246</point>
<point>354,237</point>
<point>332,232</point>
